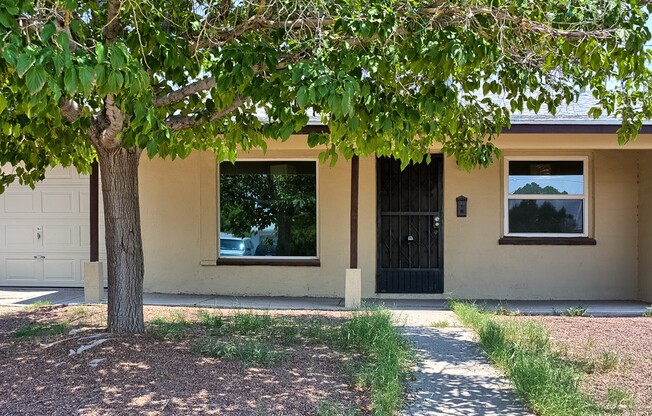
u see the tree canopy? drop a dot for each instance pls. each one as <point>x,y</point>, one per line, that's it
<point>108,79</point>
<point>386,76</point>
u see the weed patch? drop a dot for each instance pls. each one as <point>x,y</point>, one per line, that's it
<point>247,323</point>
<point>213,322</point>
<point>38,304</point>
<point>440,324</point>
<point>41,330</point>
<point>248,352</point>
<point>172,328</point>
<point>387,354</point>
<point>576,310</point>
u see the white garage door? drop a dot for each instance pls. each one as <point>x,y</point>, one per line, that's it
<point>44,233</point>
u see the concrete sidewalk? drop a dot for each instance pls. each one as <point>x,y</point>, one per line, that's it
<point>453,376</point>
<point>72,296</point>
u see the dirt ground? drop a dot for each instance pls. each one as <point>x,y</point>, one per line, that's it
<point>615,353</point>
<point>151,376</point>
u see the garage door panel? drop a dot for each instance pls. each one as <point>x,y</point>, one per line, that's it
<point>20,236</point>
<point>21,270</point>
<point>58,202</point>
<point>59,172</point>
<point>59,236</point>
<point>61,270</point>
<point>21,202</point>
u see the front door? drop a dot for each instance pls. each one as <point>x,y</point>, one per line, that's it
<point>409,227</point>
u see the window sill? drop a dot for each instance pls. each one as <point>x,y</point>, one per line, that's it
<point>267,262</point>
<point>547,241</point>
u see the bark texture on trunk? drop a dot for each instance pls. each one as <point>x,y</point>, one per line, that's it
<point>119,172</point>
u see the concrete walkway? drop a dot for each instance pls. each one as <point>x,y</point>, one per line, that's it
<point>452,377</point>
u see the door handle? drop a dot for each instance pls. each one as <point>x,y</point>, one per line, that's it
<point>39,257</point>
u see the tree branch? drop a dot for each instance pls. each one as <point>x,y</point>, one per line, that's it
<point>209,83</point>
<point>448,16</point>
<point>181,93</point>
<point>113,26</point>
<point>105,127</point>
<point>70,110</point>
<point>258,22</point>
<point>440,16</point>
<point>179,122</point>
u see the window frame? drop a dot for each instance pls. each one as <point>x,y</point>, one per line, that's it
<point>271,260</point>
<point>584,197</point>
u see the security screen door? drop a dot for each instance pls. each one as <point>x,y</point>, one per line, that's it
<point>409,227</point>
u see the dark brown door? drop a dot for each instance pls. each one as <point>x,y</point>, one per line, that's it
<point>409,227</point>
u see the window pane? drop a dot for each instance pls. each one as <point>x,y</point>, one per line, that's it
<point>546,177</point>
<point>546,216</point>
<point>268,209</point>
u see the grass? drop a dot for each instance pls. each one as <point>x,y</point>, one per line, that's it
<point>648,312</point>
<point>524,352</point>
<point>576,310</point>
<point>38,304</point>
<point>245,323</point>
<point>329,408</point>
<point>388,357</point>
<point>440,324</point>
<point>603,363</point>
<point>213,322</point>
<point>249,352</point>
<point>172,328</point>
<point>618,398</point>
<point>41,330</point>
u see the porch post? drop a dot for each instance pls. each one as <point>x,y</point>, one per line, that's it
<point>93,270</point>
<point>353,281</point>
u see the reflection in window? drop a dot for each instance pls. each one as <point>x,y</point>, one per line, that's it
<point>268,209</point>
<point>546,197</point>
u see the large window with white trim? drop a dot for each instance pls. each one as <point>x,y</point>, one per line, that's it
<point>268,209</point>
<point>546,196</point>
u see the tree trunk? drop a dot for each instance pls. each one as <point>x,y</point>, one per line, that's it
<point>124,249</point>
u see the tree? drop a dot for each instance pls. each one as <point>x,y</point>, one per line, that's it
<point>109,79</point>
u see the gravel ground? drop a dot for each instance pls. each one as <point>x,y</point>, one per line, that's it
<point>616,353</point>
<point>145,375</point>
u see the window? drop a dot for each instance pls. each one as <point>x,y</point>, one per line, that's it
<point>546,197</point>
<point>268,209</point>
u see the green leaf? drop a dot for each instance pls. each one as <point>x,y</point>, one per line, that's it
<point>35,79</point>
<point>302,96</point>
<point>114,81</point>
<point>6,19</point>
<point>24,63</point>
<point>3,103</point>
<point>48,31</point>
<point>86,77</point>
<point>70,80</point>
<point>117,58</point>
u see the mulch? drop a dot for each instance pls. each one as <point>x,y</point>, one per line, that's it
<point>145,375</point>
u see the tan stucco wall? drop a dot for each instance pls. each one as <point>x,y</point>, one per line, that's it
<point>645,227</point>
<point>178,201</point>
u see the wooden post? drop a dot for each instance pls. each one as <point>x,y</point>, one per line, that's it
<point>94,213</point>
<point>355,181</point>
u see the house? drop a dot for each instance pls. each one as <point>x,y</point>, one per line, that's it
<point>566,214</point>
